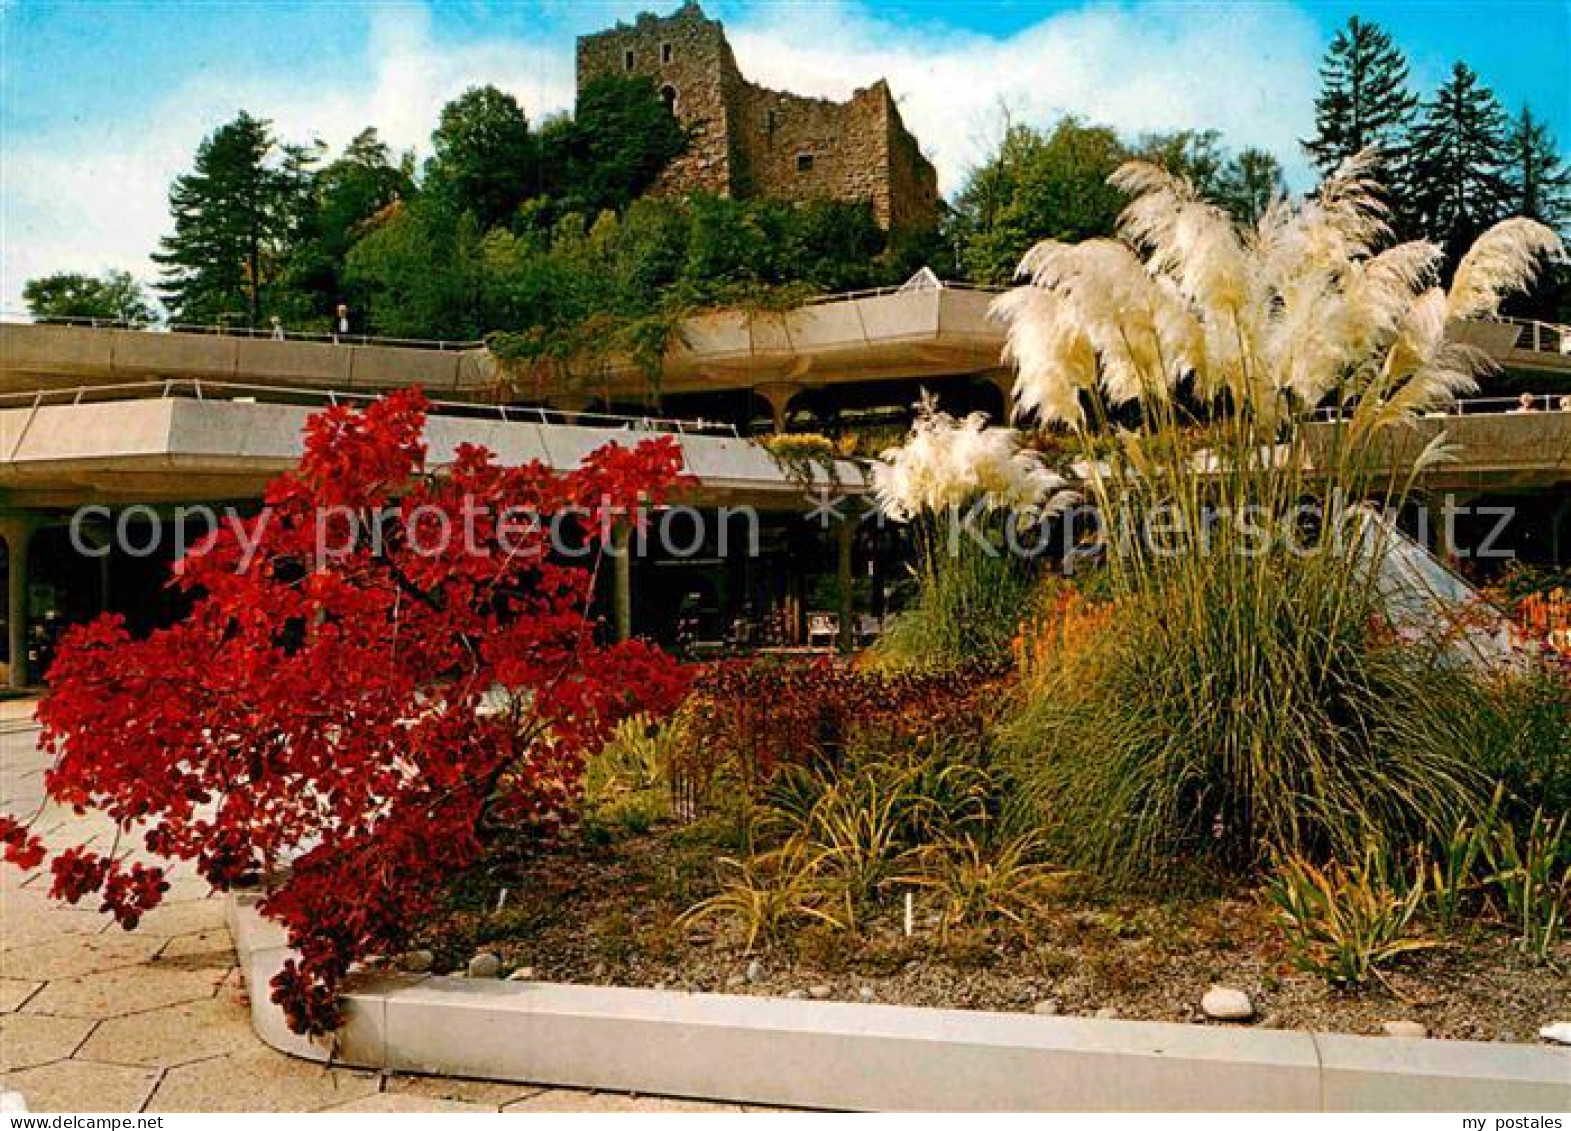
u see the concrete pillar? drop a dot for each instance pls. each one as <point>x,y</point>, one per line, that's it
<point>100,540</point>
<point>779,395</point>
<point>622,580</point>
<point>845,541</point>
<point>792,604</point>
<point>18,534</point>
<point>1558,546</point>
<point>875,570</point>
<point>1004,382</point>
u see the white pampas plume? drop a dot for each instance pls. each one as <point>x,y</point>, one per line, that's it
<point>1503,259</point>
<point>1302,308</point>
<point>947,463</point>
<point>1053,360</point>
<point>1348,205</point>
<point>1190,240</point>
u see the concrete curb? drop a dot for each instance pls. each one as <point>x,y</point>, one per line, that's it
<point>845,1056</point>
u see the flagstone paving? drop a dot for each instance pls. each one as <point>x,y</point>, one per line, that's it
<point>96,1019</point>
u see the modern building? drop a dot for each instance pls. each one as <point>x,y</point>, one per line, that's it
<point>140,423</point>
<point>108,436</point>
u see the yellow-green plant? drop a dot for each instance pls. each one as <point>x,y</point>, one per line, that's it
<point>1344,922</point>
<point>770,891</point>
<point>857,827</point>
<point>846,841</point>
<point>1245,705</point>
<point>804,457</point>
<point>1454,874</point>
<point>628,780</point>
<point>1533,877</point>
<point>638,756</point>
<point>976,881</point>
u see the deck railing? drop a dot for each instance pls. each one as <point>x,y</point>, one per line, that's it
<point>898,289</point>
<point>231,392</point>
<point>264,333</point>
<point>1539,337</point>
<point>1477,406</point>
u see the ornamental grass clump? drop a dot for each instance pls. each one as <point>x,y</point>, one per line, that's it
<point>963,489</point>
<point>1245,703</point>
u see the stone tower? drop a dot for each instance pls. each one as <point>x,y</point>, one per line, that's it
<point>750,141</point>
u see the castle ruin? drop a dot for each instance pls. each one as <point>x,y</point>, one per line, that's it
<point>748,141</point>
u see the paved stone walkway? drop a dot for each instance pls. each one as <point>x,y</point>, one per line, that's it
<point>96,1019</point>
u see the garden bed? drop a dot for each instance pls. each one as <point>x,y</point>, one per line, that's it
<point>604,906</point>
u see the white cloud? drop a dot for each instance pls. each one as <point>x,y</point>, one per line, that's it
<point>88,197</point>
<point>1246,69</point>
<point>94,196</point>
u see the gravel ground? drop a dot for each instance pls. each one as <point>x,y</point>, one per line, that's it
<point>606,912</point>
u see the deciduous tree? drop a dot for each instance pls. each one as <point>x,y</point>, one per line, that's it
<point>485,159</point>
<point>1054,183</point>
<point>347,196</point>
<point>620,139</point>
<point>113,295</point>
<point>373,669</point>
<point>1248,183</point>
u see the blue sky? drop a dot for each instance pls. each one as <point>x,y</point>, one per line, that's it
<point>104,102</point>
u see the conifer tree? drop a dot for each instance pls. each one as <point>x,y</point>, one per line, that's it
<point>1539,187</point>
<point>1537,179</point>
<point>1458,186</point>
<point>236,216</point>
<point>1363,101</point>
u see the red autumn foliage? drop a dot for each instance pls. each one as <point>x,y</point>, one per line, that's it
<point>330,715</point>
<point>746,718</point>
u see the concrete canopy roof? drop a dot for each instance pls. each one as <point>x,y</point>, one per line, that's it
<point>183,450</point>
<point>934,331</point>
<point>923,332</point>
<point>46,356</point>
<point>1500,451</point>
<point>928,332</point>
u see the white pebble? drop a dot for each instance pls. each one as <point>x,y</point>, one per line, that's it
<point>1223,1003</point>
<point>1411,1030</point>
<point>1559,1032</point>
<point>484,965</point>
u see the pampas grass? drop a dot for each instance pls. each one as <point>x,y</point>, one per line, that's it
<point>1298,309</point>
<point>958,483</point>
<point>1243,705</point>
<point>947,464</point>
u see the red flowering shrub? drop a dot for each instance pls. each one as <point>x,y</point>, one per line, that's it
<point>379,661</point>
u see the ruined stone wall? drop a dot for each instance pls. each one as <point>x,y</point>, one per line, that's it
<point>811,148</point>
<point>750,141</point>
<point>688,59</point>
<point>801,149</point>
<point>912,185</point>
